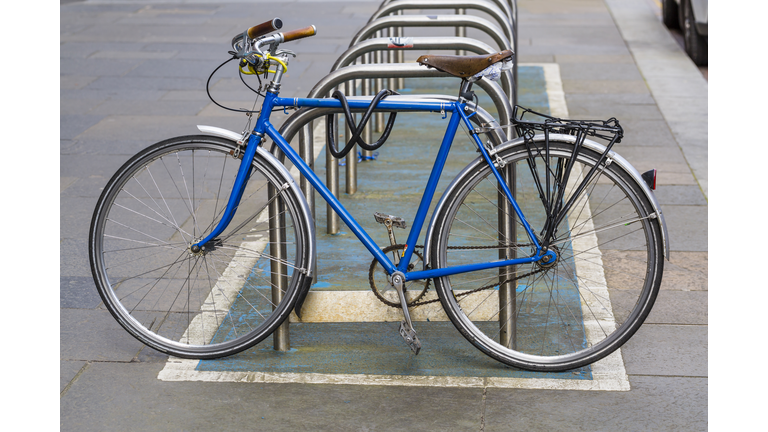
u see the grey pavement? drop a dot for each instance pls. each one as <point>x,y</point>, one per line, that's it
<point>133,73</point>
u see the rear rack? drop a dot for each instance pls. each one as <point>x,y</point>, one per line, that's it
<point>609,130</point>
<point>551,186</point>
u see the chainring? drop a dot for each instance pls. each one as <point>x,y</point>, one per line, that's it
<point>414,285</point>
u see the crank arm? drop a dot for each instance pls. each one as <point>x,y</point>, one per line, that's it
<point>406,327</point>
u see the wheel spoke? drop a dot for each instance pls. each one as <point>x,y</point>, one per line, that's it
<point>562,312</point>
<point>206,303</point>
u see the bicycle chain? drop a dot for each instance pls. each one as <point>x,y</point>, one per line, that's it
<point>417,304</point>
<point>481,288</point>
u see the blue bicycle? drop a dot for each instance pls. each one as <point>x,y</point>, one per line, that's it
<point>546,251</point>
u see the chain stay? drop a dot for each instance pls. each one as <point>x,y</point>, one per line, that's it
<point>512,279</point>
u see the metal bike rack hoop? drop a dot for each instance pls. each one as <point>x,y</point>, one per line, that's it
<point>425,43</point>
<point>496,33</point>
<point>440,21</point>
<point>489,8</point>
<point>508,7</point>
<point>381,71</point>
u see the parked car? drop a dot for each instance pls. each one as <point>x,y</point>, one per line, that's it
<point>690,16</point>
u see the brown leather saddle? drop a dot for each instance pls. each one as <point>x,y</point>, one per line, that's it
<point>463,66</point>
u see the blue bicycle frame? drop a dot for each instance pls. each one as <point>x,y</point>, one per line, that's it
<point>264,127</point>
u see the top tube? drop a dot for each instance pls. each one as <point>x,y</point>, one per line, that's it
<point>363,103</point>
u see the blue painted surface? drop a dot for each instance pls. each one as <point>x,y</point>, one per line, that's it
<point>404,163</point>
<point>375,349</point>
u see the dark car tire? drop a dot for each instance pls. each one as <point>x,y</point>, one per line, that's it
<point>670,14</point>
<point>696,45</point>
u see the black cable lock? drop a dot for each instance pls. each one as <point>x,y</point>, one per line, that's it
<point>357,130</point>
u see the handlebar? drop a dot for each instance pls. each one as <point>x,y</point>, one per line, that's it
<point>299,34</point>
<point>248,46</point>
<point>264,28</point>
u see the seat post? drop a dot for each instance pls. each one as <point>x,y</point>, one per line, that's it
<point>465,91</point>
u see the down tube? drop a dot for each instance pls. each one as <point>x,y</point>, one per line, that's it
<point>320,187</point>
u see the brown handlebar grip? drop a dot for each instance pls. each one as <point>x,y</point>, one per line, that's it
<point>300,33</point>
<point>264,28</point>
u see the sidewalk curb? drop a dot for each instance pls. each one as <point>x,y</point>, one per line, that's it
<point>678,87</point>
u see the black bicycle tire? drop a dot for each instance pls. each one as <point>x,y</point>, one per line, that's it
<point>525,361</point>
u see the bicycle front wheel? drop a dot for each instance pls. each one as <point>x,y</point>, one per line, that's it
<point>567,313</point>
<point>210,303</point>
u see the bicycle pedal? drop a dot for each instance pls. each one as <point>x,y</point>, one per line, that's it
<point>388,220</point>
<point>409,335</point>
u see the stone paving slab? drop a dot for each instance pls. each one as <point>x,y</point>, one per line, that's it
<point>73,259</point>
<point>68,371</point>
<point>680,307</point>
<point>684,349</point>
<point>110,344</point>
<point>654,403</point>
<point>111,396</point>
<point>78,292</point>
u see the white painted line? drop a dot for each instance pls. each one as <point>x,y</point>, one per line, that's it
<point>216,306</point>
<point>608,374</point>
<point>184,370</point>
<point>593,290</point>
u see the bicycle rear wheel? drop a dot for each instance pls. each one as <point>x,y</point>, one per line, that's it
<point>565,314</point>
<point>216,302</point>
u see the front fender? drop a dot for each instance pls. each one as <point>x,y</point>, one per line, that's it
<point>592,145</point>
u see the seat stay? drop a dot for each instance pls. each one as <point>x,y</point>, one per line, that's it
<point>505,188</point>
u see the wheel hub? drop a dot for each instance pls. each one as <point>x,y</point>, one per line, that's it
<point>551,257</point>
<point>195,250</point>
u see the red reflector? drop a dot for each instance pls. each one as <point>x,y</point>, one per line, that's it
<point>650,178</point>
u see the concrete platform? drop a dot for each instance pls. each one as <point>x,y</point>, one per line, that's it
<point>346,335</point>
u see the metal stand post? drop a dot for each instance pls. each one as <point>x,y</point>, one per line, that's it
<point>279,271</point>
<point>367,134</point>
<point>507,290</point>
<point>332,180</point>
<point>461,31</point>
<point>351,167</point>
